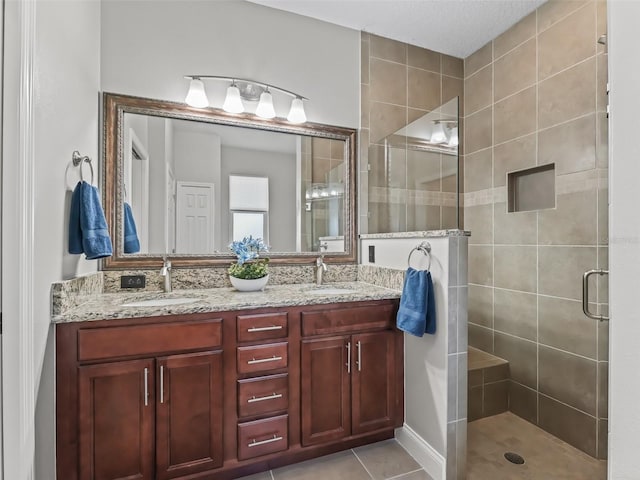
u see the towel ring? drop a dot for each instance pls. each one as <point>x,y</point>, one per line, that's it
<point>425,248</point>
<point>79,160</point>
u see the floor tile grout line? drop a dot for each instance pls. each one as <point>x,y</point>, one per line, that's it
<point>399,476</point>
<point>362,463</point>
<point>271,473</point>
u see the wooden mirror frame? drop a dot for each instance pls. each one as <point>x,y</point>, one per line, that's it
<point>114,108</point>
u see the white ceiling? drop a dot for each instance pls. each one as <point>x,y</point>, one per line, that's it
<point>454,27</point>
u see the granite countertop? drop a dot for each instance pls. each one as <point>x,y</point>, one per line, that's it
<point>110,305</point>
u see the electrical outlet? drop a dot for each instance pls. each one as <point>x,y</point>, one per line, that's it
<point>132,281</point>
<point>372,254</point>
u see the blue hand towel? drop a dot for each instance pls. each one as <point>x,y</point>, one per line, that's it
<point>96,242</point>
<point>131,242</point>
<point>417,312</point>
<point>75,232</point>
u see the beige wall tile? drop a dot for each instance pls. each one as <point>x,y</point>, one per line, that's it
<point>452,87</point>
<point>601,85</point>
<point>423,217</point>
<point>364,106</point>
<point>515,116</point>
<point>554,10</point>
<point>602,140</point>
<point>603,389</point>
<point>515,228</point>
<point>567,95</point>
<point>481,305</point>
<point>385,119</point>
<point>601,12</point>
<point>496,398</point>
<point>563,325</point>
<point>388,49</point>
<point>512,156</point>
<point>478,59</point>
<point>388,82</point>
<point>521,31</point>
<point>387,217</point>
<point>569,145</point>
<point>568,424</point>
<point>480,223</point>
<point>603,281</point>
<point>575,35</point>
<point>521,355</point>
<point>415,113</point>
<point>561,268</point>
<point>423,58</point>
<point>364,61</point>
<point>479,88</point>
<point>424,89</point>
<point>603,436</point>
<point>603,337</point>
<point>515,71</point>
<point>568,378</point>
<point>474,396</point>
<point>478,131</point>
<point>481,265</point>
<point>515,268</point>
<point>422,169</point>
<point>450,217</point>
<point>572,222</point>
<point>481,338</point>
<point>477,171</point>
<point>516,313</point>
<point>452,66</point>
<point>523,401</point>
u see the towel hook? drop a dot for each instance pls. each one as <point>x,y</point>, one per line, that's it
<point>425,248</point>
<point>79,160</point>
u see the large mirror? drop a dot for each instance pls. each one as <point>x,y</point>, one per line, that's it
<point>184,182</point>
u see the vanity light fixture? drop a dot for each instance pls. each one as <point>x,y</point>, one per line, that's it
<point>438,134</point>
<point>247,90</point>
<point>453,138</point>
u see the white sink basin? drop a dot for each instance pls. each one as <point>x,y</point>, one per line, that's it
<point>331,291</point>
<point>161,302</point>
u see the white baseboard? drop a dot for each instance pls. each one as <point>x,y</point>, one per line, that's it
<point>428,458</point>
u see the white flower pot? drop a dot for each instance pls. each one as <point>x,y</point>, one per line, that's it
<point>253,285</point>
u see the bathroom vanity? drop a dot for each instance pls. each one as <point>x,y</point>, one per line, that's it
<point>227,385</point>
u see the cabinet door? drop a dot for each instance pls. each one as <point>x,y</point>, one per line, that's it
<point>325,396</point>
<point>373,381</point>
<point>189,414</point>
<point>116,421</point>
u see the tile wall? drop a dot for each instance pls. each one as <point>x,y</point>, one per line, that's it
<point>537,95</point>
<point>400,83</point>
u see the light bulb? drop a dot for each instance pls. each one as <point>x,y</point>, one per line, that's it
<point>196,96</point>
<point>296,114</point>
<point>453,139</point>
<point>233,102</point>
<point>265,106</point>
<point>438,135</point>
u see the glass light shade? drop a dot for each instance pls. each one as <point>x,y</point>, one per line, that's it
<point>196,96</point>
<point>453,139</point>
<point>296,114</point>
<point>233,102</point>
<point>265,106</point>
<point>438,135</point>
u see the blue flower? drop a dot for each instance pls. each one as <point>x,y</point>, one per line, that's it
<point>248,249</point>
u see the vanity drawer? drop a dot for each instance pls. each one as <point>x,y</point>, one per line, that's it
<point>262,358</point>
<point>262,395</point>
<point>262,437</point>
<point>140,340</point>
<point>261,326</point>
<point>323,322</point>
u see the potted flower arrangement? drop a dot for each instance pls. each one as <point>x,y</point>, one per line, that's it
<point>250,272</point>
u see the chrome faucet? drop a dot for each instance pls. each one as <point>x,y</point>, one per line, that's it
<point>166,273</point>
<point>321,267</point>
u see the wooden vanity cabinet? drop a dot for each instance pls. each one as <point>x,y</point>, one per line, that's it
<point>216,396</point>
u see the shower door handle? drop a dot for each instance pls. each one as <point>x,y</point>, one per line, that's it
<point>585,294</point>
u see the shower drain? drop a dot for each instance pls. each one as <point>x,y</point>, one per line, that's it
<point>514,458</point>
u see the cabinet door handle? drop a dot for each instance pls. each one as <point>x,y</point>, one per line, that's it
<point>263,360</point>
<point>359,361</point>
<point>348,357</point>
<point>268,397</point>
<point>254,443</point>
<point>264,329</point>
<point>161,383</point>
<point>146,387</point>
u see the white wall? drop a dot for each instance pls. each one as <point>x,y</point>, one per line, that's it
<point>61,104</point>
<point>147,48</point>
<point>624,239</point>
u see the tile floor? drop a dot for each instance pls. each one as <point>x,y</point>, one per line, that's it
<point>546,457</point>
<point>379,461</point>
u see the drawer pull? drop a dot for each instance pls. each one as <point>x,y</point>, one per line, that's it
<point>264,329</point>
<point>264,360</point>
<point>268,397</point>
<point>264,442</point>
